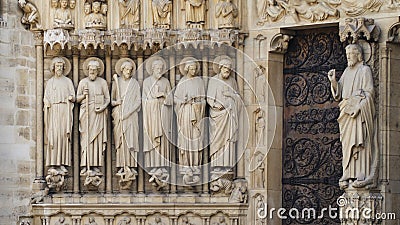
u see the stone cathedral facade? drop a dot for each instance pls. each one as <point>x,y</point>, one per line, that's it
<point>200,112</point>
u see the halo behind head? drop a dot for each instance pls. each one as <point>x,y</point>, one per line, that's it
<point>86,65</point>
<point>67,65</point>
<point>188,60</point>
<point>223,59</point>
<point>121,62</point>
<point>151,60</point>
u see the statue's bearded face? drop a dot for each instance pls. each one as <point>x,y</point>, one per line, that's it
<point>225,71</point>
<point>352,57</point>
<point>127,72</point>
<point>157,70</point>
<point>93,72</point>
<point>58,69</point>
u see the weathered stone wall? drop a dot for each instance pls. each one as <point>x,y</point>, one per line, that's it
<point>17,114</point>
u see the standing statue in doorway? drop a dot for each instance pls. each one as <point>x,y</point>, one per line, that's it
<point>357,121</point>
<point>94,97</point>
<point>59,98</point>
<point>126,100</point>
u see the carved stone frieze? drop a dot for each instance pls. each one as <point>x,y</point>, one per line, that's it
<point>155,36</point>
<point>124,36</point>
<point>359,28</point>
<point>92,37</point>
<point>57,36</point>
<point>360,207</point>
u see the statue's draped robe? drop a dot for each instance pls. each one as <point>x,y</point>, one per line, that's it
<point>226,12</point>
<point>58,120</point>
<point>130,13</point>
<point>195,11</point>
<point>156,122</point>
<point>126,131</point>
<point>224,123</point>
<point>161,12</point>
<point>191,133</point>
<point>358,135</point>
<point>92,155</point>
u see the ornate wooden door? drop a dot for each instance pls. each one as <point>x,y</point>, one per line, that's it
<point>312,150</point>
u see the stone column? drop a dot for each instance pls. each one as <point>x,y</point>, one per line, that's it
<point>172,78</point>
<point>109,133</point>
<point>75,147</point>
<point>240,147</point>
<point>140,159</point>
<point>39,180</point>
<point>205,152</point>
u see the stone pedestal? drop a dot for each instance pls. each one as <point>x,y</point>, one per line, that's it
<point>360,207</point>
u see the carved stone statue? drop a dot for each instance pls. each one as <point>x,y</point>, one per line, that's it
<point>190,106</point>
<point>195,11</point>
<point>126,100</point>
<point>38,197</point>
<point>259,172</point>
<point>221,221</point>
<point>72,4</point>
<point>314,10</point>
<point>225,105</point>
<point>357,121</point>
<point>129,13</point>
<point>125,221</point>
<point>189,178</point>
<point>356,8</point>
<point>157,221</point>
<point>220,184</point>
<point>161,13</point>
<point>61,221</point>
<point>226,12</point>
<point>260,127</point>
<point>91,221</point>
<point>185,221</point>
<point>94,97</point>
<point>261,84</point>
<point>95,19</point>
<point>157,103</point>
<point>159,178</point>
<point>239,192</point>
<point>31,14</point>
<point>58,99</point>
<point>270,10</point>
<point>62,16</point>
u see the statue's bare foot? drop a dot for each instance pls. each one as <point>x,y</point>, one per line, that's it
<point>361,184</point>
<point>83,172</point>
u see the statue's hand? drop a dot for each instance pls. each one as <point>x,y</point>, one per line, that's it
<point>71,98</point>
<point>99,109</point>
<point>331,75</point>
